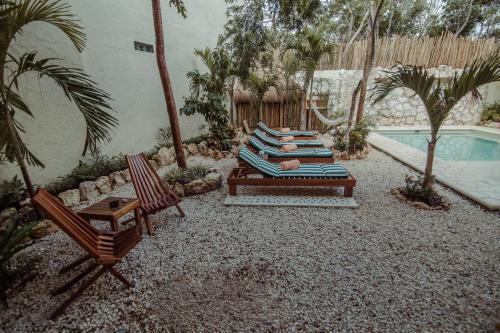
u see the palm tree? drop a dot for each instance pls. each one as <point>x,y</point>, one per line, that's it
<point>77,86</point>
<point>439,97</point>
<point>259,85</point>
<point>310,45</point>
<point>165,77</point>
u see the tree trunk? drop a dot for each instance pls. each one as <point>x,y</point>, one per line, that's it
<point>308,124</point>
<point>431,149</point>
<point>351,113</point>
<point>260,109</point>
<point>305,88</point>
<point>167,86</point>
<point>19,155</point>
<point>370,57</point>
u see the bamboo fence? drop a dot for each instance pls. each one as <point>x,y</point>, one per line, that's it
<point>424,51</point>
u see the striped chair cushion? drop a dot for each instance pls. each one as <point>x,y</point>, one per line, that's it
<point>274,152</point>
<point>274,142</point>
<point>271,131</point>
<point>305,170</point>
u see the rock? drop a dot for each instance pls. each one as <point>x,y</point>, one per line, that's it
<point>88,191</point>
<point>25,202</point>
<point>197,186</point>
<point>103,184</point>
<point>193,149</point>
<point>165,156</point>
<point>186,152</point>
<point>7,213</point>
<point>126,175</point>
<point>211,153</point>
<point>419,204</point>
<point>218,155</point>
<point>358,155</point>
<point>154,164</point>
<point>178,189</point>
<point>117,179</point>
<point>44,228</point>
<point>202,147</point>
<point>236,141</point>
<point>214,180</point>
<point>235,150</point>
<point>70,198</point>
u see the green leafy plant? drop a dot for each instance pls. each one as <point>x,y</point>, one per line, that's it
<point>415,191</point>
<point>12,241</point>
<point>77,86</point>
<point>184,176</point>
<point>164,138</point>
<point>357,136</point>
<point>491,112</point>
<point>439,97</point>
<point>11,193</point>
<point>208,92</point>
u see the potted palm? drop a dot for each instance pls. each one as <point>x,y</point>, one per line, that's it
<point>438,97</point>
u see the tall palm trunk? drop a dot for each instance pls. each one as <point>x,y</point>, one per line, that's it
<point>431,149</point>
<point>19,155</point>
<point>167,85</point>
<point>305,104</point>
<point>308,124</point>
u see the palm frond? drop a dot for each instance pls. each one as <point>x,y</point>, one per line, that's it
<point>79,88</point>
<point>55,12</point>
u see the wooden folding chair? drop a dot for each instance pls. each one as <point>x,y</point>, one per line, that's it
<point>106,248</point>
<point>154,194</point>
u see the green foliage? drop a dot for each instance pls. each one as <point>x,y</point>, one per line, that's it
<point>358,135</point>
<point>184,176</point>
<point>11,193</point>
<point>415,191</point>
<point>208,92</point>
<point>99,165</point>
<point>164,138</point>
<point>197,139</point>
<point>12,241</point>
<point>491,112</point>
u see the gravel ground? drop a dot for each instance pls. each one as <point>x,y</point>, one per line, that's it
<point>385,267</point>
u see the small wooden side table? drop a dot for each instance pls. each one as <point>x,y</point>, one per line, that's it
<point>103,212</point>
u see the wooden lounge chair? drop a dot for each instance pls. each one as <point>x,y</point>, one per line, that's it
<point>106,248</point>
<point>328,174</point>
<point>307,135</point>
<point>304,155</point>
<point>154,194</point>
<point>277,143</point>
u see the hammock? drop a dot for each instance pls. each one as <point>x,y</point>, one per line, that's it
<point>326,121</point>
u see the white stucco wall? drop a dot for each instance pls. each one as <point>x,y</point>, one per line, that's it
<point>131,77</point>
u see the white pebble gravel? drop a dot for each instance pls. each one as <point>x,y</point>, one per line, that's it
<point>385,267</point>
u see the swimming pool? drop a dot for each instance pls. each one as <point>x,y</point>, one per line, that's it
<point>467,157</point>
<point>465,145</point>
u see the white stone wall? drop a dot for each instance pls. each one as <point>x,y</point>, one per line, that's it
<point>131,77</point>
<point>401,107</point>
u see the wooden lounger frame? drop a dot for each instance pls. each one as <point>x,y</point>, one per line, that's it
<point>301,159</point>
<point>239,177</point>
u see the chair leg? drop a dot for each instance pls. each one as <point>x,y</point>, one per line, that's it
<point>181,212</point>
<point>78,293</point>
<point>74,280</point>
<point>348,191</point>
<point>232,189</point>
<point>75,263</point>
<point>148,224</point>
<point>120,277</point>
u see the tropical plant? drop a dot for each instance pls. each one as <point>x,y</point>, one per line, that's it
<point>491,112</point>
<point>12,240</point>
<point>11,193</point>
<point>184,176</point>
<point>208,92</point>
<point>439,97</point>
<point>165,76</point>
<point>310,45</point>
<point>258,86</point>
<point>77,86</point>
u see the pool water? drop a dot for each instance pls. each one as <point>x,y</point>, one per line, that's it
<point>466,146</point>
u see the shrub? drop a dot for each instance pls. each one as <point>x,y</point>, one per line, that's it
<point>491,112</point>
<point>358,135</point>
<point>12,240</point>
<point>11,193</point>
<point>184,176</point>
<point>415,191</point>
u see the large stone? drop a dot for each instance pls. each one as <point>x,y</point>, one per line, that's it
<point>214,180</point>
<point>165,156</point>
<point>70,198</point>
<point>103,184</point>
<point>154,164</point>
<point>6,214</point>
<point>192,148</point>
<point>117,179</point>
<point>126,175</point>
<point>218,155</point>
<point>178,189</point>
<point>88,191</point>
<point>44,228</point>
<point>186,152</point>
<point>197,186</point>
<point>203,147</point>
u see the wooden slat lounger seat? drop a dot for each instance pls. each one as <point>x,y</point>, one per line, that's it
<point>328,174</point>
<point>277,143</point>
<point>304,155</point>
<point>153,193</point>
<point>106,248</point>
<point>308,135</point>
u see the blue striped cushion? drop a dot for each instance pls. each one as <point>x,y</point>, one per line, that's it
<point>271,131</point>
<point>272,141</point>
<point>274,152</point>
<point>305,170</point>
